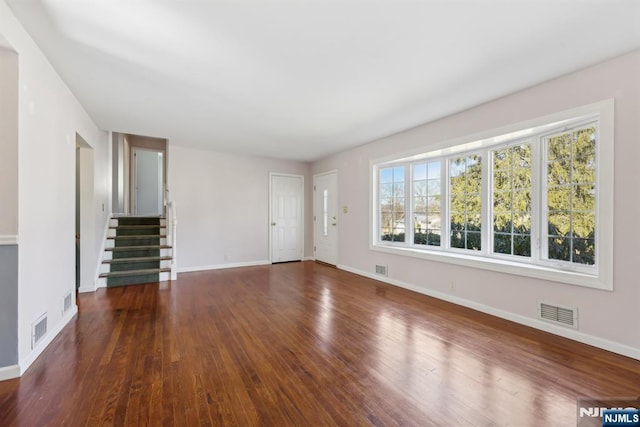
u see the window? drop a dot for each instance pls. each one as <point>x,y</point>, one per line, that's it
<point>571,195</point>
<point>511,195</point>
<point>465,213</point>
<point>392,204</point>
<point>427,218</point>
<point>529,201</point>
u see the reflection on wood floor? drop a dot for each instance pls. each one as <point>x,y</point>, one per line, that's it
<point>302,344</point>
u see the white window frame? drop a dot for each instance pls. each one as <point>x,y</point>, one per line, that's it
<point>599,276</point>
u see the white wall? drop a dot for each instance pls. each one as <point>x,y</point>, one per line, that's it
<point>222,203</point>
<point>607,319</point>
<point>8,142</point>
<point>49,118</point>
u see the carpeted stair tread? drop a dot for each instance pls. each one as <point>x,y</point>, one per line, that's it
<point>138,220</point>
<point>138,236</point>
<point>135,272</point>
<point>136,259</point>
<point>139,248</point>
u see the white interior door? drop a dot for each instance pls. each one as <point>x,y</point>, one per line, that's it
<point>148,181</point>
<point>325,217</point>
<point>287,198</point>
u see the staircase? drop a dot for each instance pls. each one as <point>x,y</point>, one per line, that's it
<point>136,251</point>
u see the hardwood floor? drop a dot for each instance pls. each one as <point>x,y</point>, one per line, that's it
<point>302,344</point>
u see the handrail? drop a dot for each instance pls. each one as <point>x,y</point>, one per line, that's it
<point>172,225</point>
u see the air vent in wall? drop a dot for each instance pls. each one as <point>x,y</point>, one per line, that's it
<point>38,330</point>
<point>566,316</point>
<point>381,269</point>
<point>66,303</point>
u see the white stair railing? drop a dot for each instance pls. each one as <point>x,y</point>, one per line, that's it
<point>172,225</point>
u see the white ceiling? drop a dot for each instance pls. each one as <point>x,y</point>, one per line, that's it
<point>307,78</point>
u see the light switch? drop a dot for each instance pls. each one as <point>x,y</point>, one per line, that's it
<point>345,209</point>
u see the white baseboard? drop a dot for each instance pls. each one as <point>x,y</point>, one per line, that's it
<point>85,290</point>
<point>9,372</point>
<point>31,357</point>
<point>571,334</point>
<point>221,266</point>
<point>309,258</point>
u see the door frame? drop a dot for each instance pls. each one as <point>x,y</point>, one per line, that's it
<point>270,215</point>
<point>315,231</point>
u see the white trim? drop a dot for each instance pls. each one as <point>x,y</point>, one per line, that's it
<point>47,339</point>
<point>221,266</point>
<point>97,281</point>
<point>8,240</point>
<point>498,264</point>
<point>309,258</point>
<point>599,277</point>
<point>569,333</point>
<point>9,372</point>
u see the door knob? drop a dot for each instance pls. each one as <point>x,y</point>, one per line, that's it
<point>273,223</point>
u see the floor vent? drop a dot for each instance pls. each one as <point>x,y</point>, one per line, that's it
<point>66,303</point>
<point>38,330</point>
<point>381,270</point>
<point>565,316</point>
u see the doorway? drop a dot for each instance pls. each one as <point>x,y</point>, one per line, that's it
<point>85,217</point>
<point>148,182</point>
<point>287,217</point>
<point>325,217</point>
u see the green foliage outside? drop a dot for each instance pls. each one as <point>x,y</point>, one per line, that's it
<point>571,203</point>
<point>571,196</point>
<point>465,201</point>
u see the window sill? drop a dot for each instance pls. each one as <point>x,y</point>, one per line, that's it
<point>500,265</point>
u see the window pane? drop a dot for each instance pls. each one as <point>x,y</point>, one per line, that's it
<point>502,223</point>
<point>571,196</point>
<point>502,243</point>
<point>419,188</point>
<point>522,245</point>
<point>584,251</point>
<point>501,180</point>
<point>386,190</point>
<point>465,185</point>
<point>584,198</point>
<point>457,239</point>
<point>434,170</point>
<point>392,204</point>
<point>560,248</point>
<point>433,237</point>
<point>474,240</point>
<point>420,172</point>
<point>420,205</point>
<point>559,198</point>
<point>511,192</point>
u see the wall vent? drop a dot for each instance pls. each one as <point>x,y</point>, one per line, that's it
<point>38,330</point>
<point>66,303</point>
<point>566,316</point>
<point>381,270</point>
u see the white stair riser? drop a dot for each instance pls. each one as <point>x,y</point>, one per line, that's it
<point>113,222</point>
